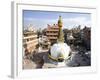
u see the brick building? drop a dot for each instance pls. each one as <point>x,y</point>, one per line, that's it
<point>52,32</point>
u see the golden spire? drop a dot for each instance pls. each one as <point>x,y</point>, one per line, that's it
<point>60,34</point>
<point>60,22</point>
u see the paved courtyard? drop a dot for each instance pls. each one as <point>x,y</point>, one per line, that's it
<point>41,60</point>
<point>36,60</point>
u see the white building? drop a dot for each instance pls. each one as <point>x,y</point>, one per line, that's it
<point>30,39</point>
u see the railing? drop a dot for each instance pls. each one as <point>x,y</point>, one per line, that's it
<point>30,37</point>
<point>51,33</point>
<point>32,41</point>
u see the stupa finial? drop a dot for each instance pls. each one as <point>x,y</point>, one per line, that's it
<point>60,35</point>
<point>60,21</point>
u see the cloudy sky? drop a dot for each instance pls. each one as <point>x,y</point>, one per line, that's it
<point>40,19</point>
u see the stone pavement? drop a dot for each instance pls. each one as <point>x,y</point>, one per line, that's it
<point>36,60</point>
<point>41,60</point>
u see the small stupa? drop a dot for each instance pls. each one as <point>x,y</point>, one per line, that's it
<point>60,50</point>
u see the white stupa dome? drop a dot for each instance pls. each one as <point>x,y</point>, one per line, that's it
<point>60,49</point>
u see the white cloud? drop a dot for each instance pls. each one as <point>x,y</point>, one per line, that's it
<point>38,23</point>
<point>67,23</point>
<point>72,22</point>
